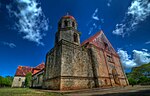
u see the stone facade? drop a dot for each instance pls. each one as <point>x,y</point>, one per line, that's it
<point>76,67</point>
<point>71,65</point>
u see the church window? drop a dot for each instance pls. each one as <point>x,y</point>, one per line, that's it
<point>109,58</point>
<point>75,36</point>
<point>73,24</point>
<point>66,23</point>
<point>106,45</point>
<point>19,79</point>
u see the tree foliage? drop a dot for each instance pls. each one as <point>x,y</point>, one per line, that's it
<point>140,75</point>
<point>132,81</point>
<point>28,79</point>
<point>6,81</point>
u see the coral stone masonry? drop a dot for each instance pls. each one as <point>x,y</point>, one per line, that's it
<point>71,65</point>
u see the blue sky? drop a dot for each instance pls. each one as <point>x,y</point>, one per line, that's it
<point>28,27</point>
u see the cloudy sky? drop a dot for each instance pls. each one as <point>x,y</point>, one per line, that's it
<point>28,27</point>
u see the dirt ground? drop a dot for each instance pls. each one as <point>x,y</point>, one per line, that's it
<point>123,91</point>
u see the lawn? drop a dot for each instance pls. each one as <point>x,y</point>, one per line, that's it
<point>25,92</point>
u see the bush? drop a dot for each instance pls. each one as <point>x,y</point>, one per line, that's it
<point>28,79</point>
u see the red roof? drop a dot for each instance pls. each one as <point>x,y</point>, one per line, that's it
<point>99,40</point>
<point>23,70</point>
<point>91,38</point>
<point>34,71</point>
<point>69,16</point>
<point>40,66</point>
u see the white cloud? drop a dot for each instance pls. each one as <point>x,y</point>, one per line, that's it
<point>31,20</point>
<point>95,22</point>
<point>145,50</point>
<point>90,30</point>
<point>109,2</point>
<point>141,57</point>
<point>95,16</point>
<point>137,12</point>
<point>11,45</point>
<point>148,42</point>
<point>138,58</point>
<point>125,59</point>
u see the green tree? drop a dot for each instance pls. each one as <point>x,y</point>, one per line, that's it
<point>28,79</point>
<point>140,74</point>
<point>132,81</point>
<point>6,81</point>
<point>144,80</point>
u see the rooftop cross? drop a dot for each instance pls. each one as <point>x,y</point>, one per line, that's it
<point>67,13</point>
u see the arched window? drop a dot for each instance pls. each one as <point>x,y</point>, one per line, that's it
<point>66,23</point>
<point>19,79</point>
<point>75,37</point>
<point>73,24</point>
<point>105,45</point>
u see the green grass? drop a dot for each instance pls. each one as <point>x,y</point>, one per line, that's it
<point>25,92</point>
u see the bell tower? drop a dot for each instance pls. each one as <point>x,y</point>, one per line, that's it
<point>67,30</point>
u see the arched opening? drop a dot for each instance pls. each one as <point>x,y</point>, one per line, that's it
<point>75,36</point>
<point>105,45</point>
<point>19,79</point>
<point>66,23</point>
<point>73,24</point>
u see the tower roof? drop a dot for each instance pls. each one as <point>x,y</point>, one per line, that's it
<point>68,16</point>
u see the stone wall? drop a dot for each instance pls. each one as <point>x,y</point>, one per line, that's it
<point>71,83</point>
<point>18,81</point>
<point>52,68</point>
<point>71,66</point>
<point>68,35</point>
<point>104,62</point>
<point>76,67</point>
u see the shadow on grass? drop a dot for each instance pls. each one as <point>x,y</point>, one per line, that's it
<point>138,93</point>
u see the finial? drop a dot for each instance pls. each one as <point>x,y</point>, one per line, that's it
<point>67,13</point>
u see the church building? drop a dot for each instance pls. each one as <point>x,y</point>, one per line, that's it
<point>74,65</point>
